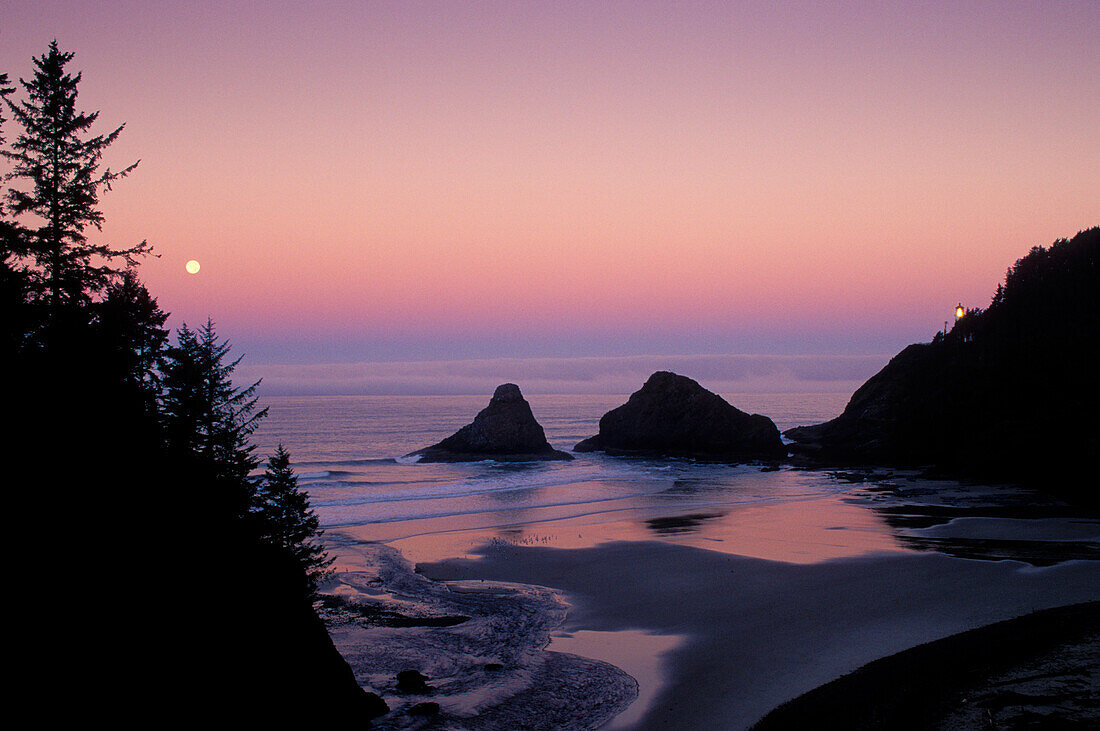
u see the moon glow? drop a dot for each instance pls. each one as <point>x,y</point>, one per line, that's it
<point>192,267</point>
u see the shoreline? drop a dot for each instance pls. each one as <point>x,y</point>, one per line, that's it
<point>716,637</point>
<point>482,645</point>
<point>763,632</point>
<point>1033,668</point>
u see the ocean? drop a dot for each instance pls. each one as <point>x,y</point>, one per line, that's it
<point>348,454</point>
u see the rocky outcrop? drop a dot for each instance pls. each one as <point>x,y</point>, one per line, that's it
<point>505,430</point>
<point>413,681</point>
<point>1009,393</point>
<point>889,418</point>
<point>672,415</point>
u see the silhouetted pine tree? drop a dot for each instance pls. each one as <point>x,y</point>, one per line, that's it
<point>204,414</point>
<point>60,164</point>
<point>4,91</point>
<point>287,519</point>
<point>14,284</point>
<point>129,325</point>
<point>12,238</point>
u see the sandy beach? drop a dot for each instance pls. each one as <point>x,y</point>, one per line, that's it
<point>1037,671</point>
<point>698,618</point>
<point>760,632</point>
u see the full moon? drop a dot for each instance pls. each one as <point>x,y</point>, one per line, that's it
<point>192,267</point>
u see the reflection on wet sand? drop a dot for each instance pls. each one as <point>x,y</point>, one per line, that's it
<point>804,531</point>
<point>873,512</point>
<point>674,524</point>
<point>990,523</point>
<point>634,651</point>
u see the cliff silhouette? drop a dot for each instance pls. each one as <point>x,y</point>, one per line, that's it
<point>1010,392</point>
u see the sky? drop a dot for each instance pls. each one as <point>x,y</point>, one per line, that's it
<point>413,183</point>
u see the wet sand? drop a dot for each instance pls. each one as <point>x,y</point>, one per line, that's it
<point>719,612</point>
<point>481,645</point>
<point>763,632</point>
<point>801,530</point>
<point>1041,670</point>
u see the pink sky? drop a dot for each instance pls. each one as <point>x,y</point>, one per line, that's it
<point>410,181</point>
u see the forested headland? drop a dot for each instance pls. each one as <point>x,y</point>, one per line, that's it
<point>1010,392</point>
<point>160,576</point>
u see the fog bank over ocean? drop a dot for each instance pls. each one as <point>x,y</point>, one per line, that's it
<point>597,375</point>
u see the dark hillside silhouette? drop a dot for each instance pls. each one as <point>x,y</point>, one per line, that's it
<point>150,588</point>
<point>1010,392</point>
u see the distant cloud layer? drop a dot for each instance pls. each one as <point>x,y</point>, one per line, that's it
<point>612,375</point>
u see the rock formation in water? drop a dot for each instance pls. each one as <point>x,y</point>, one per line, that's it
<point>505,430</point>
<point>1010,392</point>
<point>673,415</point>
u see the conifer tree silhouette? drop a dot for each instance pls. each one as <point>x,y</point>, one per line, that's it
<point>288,521</point>
<point>204,414</point>
<point>4,91</point>
<point>129,325</point>
<point>58,164</point>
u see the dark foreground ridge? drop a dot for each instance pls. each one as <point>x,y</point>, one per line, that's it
<point>505,430</point>
<point>672,415</point>
<point>178,584</point>
<point>1036,671</point>
<point>1009,393</point>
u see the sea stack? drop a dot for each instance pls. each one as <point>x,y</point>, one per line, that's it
<point>505,430</point>
<point>674,416</point>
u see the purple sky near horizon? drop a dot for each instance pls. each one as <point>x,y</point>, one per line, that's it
<point>400,182</point>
